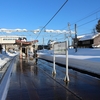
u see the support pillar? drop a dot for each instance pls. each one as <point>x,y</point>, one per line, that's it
<point>54,69</point>
<point>66,79</point>
<point>31,48</point>
<point>21,51</point>
<point>5,48</point>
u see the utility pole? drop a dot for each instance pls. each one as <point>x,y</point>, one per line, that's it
<point>69,34</point>
<point>75,41</point>
<point>69,28</point>
<point>43,43</point>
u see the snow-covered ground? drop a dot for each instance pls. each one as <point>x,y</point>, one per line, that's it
<point>85,59</point>
<point>5,57</point>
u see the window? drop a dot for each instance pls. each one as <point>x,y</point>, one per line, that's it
<point>9,38</point>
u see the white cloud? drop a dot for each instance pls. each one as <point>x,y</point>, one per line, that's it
<point>59,31</point>
<point>12,30</point>
<point>36,31</point>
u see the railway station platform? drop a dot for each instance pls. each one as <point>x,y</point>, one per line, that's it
<point>30,82</point>
<point>36,82</point>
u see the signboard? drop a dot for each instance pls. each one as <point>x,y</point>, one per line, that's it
<point>60,48</point>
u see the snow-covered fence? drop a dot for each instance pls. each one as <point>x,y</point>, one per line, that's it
<point>4,84</point>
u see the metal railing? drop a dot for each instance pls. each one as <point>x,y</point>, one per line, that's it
<point>6,76</point>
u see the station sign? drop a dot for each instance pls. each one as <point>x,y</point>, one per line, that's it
<point>60,48</point>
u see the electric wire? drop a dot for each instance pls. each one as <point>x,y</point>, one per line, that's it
<point>86,22</point>
<point>52,18</point>
<point>80,25</point>
<point>86,17</point>
<point>72,23</point>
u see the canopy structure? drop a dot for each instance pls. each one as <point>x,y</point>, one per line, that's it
<point>24,44</point>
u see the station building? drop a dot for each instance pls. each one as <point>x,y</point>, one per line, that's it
<point>17,43</point>
<point>8,42</point>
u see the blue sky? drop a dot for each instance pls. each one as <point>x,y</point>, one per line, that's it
<point>34,14</point>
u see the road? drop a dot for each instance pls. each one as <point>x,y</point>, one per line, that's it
<point>31,82</point>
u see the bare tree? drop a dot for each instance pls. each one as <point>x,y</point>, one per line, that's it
<point>98,26</point>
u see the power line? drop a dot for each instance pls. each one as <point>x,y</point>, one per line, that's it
<point>79,26</point>
<point>72,24</point>
<point>52,18</point>
<point>87,22</point>
<point>85,30</point>
<point>85,17</point>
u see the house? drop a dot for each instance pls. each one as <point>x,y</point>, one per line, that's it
<point>96,40</point>
<point>88,40</point>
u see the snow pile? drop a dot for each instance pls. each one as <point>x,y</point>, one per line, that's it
<point>84,59</point>
<point>46,51</point>
<point>5,57</point>
<point>85,54</point>
<point>81,54</point>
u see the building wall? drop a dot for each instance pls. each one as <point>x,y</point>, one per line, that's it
<point>85,43</point>
<point>97,41</point>
<point>7,39</point>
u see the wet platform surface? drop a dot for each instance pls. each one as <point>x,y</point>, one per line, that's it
<point>31,82</point>
<point>28,82</point>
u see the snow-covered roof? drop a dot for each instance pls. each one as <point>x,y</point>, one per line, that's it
<point>87,37</point>
<point>96,35</point>
<point>81,36</point>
